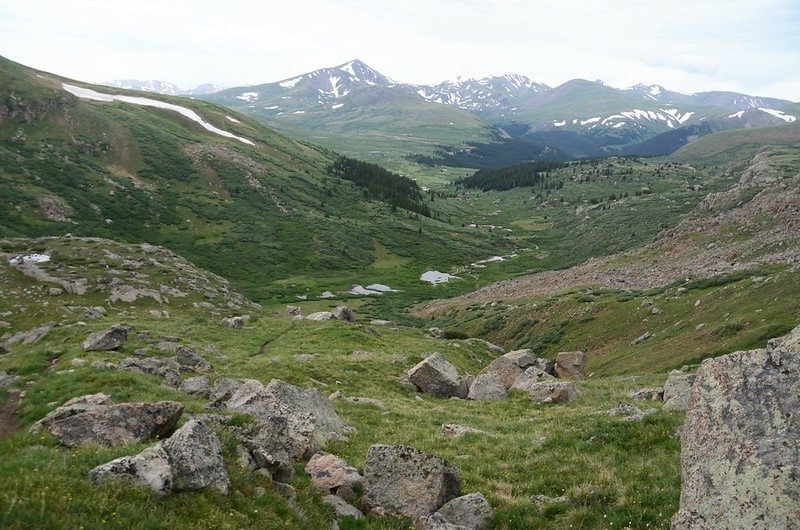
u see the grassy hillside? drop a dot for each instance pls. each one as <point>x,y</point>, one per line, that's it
<point>596,461</point>
<point>255,214</point>
<point>737,145</point>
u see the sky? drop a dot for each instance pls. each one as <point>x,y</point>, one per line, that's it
<point>689,46</point>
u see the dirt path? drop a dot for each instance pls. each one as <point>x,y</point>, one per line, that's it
<point>8,416</point>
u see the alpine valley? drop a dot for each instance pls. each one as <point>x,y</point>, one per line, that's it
<point>343,301</point>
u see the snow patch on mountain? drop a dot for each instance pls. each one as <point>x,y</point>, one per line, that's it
<point>788,118</point>
<point>290,83</point>
<point>248,96</point>
<point>86,93</point>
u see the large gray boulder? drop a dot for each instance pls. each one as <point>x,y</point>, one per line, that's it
<point>507,368</point>
<point>435,375</point>
<point>329,472</point>
<point>343,312</point>
<point>191,459</point>
<point>321,316</point>
<point>195,457</point>
<point>108,339</point>
<point>571,365</point>
<point>311,419</point>
<point>740,450</point>
<point>149,468</point>
<point>403,481</point>
<point>468,512</point>
<point>677,390</point>
<point>94,419</point>
<point>552,392</point>
<point>487,387</point>
<point>191,360</point>
<point>530,376</point>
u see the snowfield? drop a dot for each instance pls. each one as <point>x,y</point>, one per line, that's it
<point>86,93</point>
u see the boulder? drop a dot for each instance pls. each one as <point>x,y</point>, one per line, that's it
<point>153,366</point>
<point>647,394</point>
<point>436,333</point>
<point>294,311</point>
<point>188,358</point>
<point>740,452</point>
<point>507,368</point>
<point>149,468</point>
<point>530,376</point>
<point>453,430</point>
<point>195,457</point>
<point>545,365</point>
<point>403,481</point>
<point>342,508</point>
<point>571,365</point>
<point>110,339</point>
<point>6,379</point>
<point>93,419</point>
<point>630,412</point>
<point>196,386</point>
<point>343,312</point>
<point>234,322</point>
<point>552,392</point>
<point>487,387</point>
<point>311,419</point>
<point>468,512</point>
<point>224,388</point>
<point>435,375</point>
<point>321,316</point>
<point>269,447</point>
<point>677,390</point>
<point>328,472</point>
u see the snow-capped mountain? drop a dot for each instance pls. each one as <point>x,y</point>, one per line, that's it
<point>727,100</point>
<point>162,87</point>
<point>498,93</point>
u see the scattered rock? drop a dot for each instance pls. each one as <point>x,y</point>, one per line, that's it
<point>552,392</point>
<point>468,512</point>
<point>109,339</point>
<point>343,312</point>
<point>530,376</point>
<point>304,357</point>
<point>453,430</point>
<point>645,394</point>
<point>27,337</point>
<point>342,508</point>
<point>329,472</point>
<point>195,456</point>
<point>321,316</point>
<point>191,459</point>
<point>188,358</point>
<point>196,386</point>
<point>677,390</point>
<point>55,291</point>
<point>149,468</point>
<point>630,412</point>
<point>546,499</point>
<point>740,462</point>
<point>78,362</point>
<point>571,365</point>
<point>94,419</point>
<point>308,414</point>
<point>285,490</point>
<point>235,322</point>
<point>7,380</point>
<point>436,333</point>
<point>404,481</point>
<point>487,387</point>
<point>294,311</point>
<point>435,375</point>
<point>640,339</point>
<point>507,368</point>
<point>154,366</point>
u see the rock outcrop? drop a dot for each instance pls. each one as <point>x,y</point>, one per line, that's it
<point>329,472</point>
<point>740,451</point>
<point>95,419</point>
<point>109,339</point>
<point>191,459</point>
<point>468,512</point>
<point>571,365</point>
<point>677,390</point>
<point>435,375</point>
<point>401,480</point>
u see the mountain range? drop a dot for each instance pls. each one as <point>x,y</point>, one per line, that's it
<point>580,117</point>
<point>163,87</point>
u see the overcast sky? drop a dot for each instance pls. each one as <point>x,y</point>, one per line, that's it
<point>750,46</point>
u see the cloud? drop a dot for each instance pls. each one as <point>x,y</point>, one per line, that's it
<point>683,45</point>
